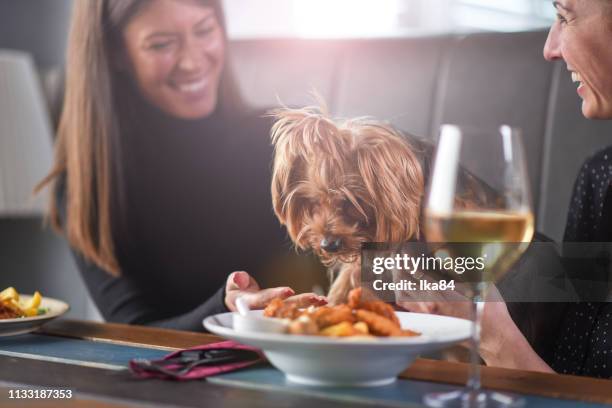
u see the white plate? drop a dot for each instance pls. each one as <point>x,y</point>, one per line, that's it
<point>318,360</point>
<point>21,325</point>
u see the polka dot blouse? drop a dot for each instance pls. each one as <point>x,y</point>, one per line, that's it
<point>584,345</point>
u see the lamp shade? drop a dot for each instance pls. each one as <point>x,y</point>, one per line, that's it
<point>25,136</point>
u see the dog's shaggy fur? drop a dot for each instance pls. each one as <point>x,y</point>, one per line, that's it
<point>337,184</point>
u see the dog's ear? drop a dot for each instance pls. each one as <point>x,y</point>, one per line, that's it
<point>300,138</point>
<point>393,177</point>
<point>288,195</point>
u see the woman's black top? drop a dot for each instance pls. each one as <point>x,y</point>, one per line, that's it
<point>584,344</point>
<point>192,204</point>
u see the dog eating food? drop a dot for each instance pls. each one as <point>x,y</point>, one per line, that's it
<point>338,184</point>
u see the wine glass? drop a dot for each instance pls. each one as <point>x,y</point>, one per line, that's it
<point>479,205</point>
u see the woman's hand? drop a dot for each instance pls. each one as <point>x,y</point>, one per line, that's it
<point>495,316</point>
<point>241,284</point>
<point>496,322</point>
<point>502,344</point>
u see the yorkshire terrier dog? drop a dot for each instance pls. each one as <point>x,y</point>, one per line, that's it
<point>337,184</point>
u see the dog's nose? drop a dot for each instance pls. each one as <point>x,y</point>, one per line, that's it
<point>331,244</point>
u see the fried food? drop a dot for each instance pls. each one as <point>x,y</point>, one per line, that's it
<point>378,325</point>
<point>408,333</point>
<point>343,329</point>
<point>282,310</point>
<point>382,309</point>
<point>7,313</point>
<point>273,307</point>
<point>358,318</point>
<point>11,307</point>
<point>9,294</point>
<point>356,301</point>
<point>354,298</point>
<point>326,316</point>
<point>362,328</point>
<point>303,325</point>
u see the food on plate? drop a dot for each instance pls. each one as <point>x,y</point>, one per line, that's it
<point>7,312</point>
<point>358,318</point>
<point>283,310</point>
<point>11,307</point>
<point>331,315</point>
<point>356,301</point>
<point>303,325</point>
<point>380,325</point>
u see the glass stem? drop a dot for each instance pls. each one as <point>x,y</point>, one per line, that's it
<point>474,374</point>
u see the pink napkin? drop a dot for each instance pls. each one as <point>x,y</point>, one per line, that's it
<point>142,371</point>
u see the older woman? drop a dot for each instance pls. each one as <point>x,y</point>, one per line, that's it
<point>582,37</point>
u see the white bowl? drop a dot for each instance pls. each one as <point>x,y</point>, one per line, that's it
<point>21,325</point>
<point>318,360</point>
<point>258,324</point>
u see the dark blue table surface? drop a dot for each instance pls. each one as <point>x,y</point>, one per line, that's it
<point>117,356</point>
<point>398,393</point>
<point>77,351</point>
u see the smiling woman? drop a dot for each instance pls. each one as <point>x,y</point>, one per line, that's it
<point>156,158</point>
<point>176,54</point>
<point>579,342</point>
<point>581,37</point>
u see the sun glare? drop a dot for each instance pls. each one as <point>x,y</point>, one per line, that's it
<point>344,18</point>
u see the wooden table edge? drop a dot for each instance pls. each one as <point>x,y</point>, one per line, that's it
<point>132,335</point>
<point>504,379</point>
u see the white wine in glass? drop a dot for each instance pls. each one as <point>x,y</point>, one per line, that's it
<point>479,206</point>
<point>501,236</point>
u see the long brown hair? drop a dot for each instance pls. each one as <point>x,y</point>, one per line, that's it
<point>88,129</point>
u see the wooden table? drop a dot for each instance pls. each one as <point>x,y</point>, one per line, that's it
<point>107,388</point>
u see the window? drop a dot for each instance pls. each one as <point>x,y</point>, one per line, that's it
<point>381,18</point>
<point>502,15</point>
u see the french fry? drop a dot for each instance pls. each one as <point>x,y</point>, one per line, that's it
<point>34,302</point>
<point>31,308</point>
<point>9,294</point>
<point>361,327</point>
<point>343,329</point>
